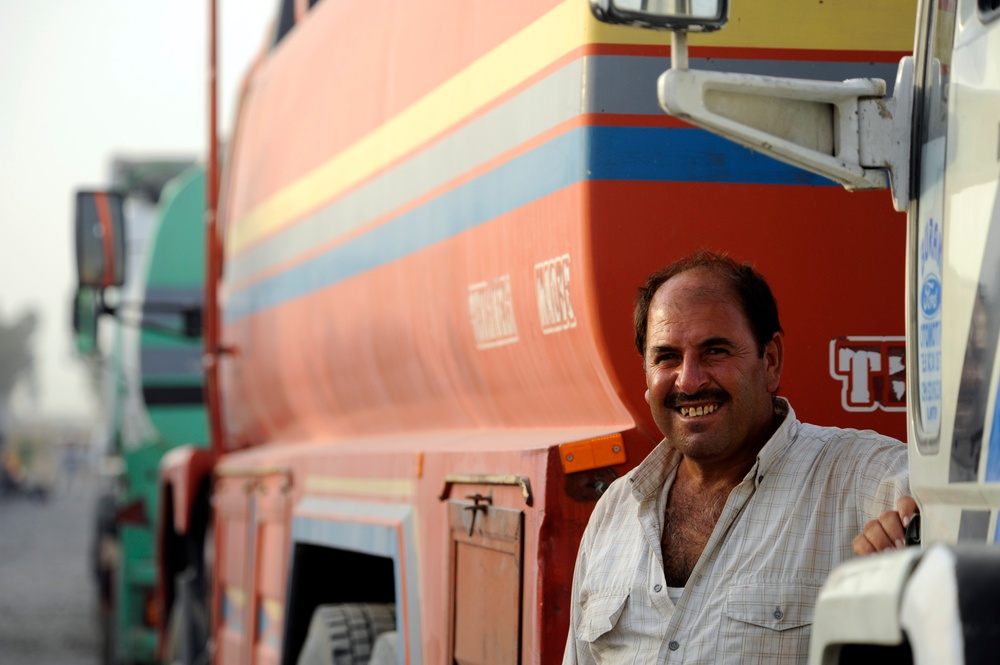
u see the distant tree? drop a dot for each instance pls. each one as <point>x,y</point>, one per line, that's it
<point>17,362</point>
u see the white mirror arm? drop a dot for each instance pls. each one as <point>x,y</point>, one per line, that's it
<point>848,132</point>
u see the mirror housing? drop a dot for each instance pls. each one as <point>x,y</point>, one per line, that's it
<point>100,239</point>
<point>675,15</point>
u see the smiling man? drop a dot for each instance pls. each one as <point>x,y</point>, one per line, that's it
<point>714,548</point>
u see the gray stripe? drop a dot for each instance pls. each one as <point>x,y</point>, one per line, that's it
<point>624,84</point>
<point>174,294</point>
<point>822,71</point>
<point>593,84</point>
<point>163,306</point>
<point>170,361</point>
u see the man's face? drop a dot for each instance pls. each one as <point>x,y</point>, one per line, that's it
<point>709,390</point>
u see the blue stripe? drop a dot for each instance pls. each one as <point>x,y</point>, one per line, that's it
<point>616,153</point>
<point>686,155</point>
<point>993,456</point>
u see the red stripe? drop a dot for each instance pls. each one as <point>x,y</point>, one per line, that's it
<point>104,218</point>
<point>749,53</point>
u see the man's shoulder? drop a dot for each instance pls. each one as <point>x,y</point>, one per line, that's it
<point>839,446</point>
<point>824,434</point>
<point>807,435</point>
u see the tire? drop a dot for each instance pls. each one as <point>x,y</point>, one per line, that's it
<point>343,634</point>
<point>386,649</point>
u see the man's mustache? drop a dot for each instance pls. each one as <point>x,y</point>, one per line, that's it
<point>678,400</point>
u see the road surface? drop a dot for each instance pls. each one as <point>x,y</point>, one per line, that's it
<point>48,608</point>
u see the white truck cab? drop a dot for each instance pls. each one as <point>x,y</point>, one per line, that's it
<point>936,144</point>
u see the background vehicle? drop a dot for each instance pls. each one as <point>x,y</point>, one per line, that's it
<point>934,142</point>
<point>420,374</point>
<point>153,387</point>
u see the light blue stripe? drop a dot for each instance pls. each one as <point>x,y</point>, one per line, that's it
<point>614,153</point>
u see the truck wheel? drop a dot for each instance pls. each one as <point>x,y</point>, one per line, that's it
<point>386,649</point>
<point>343,634</point>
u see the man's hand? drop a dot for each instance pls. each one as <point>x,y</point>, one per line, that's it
<point>888,531</point>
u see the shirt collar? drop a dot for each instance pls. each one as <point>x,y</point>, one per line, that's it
<point>650,475</point>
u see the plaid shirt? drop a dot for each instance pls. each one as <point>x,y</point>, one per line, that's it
<point>751,595</point>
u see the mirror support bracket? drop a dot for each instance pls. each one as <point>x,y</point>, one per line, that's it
<point>846,131</point>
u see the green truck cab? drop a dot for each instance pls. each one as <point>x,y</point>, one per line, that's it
<point>152,375</point>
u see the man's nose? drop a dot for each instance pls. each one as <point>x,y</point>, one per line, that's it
<point>691,375</point>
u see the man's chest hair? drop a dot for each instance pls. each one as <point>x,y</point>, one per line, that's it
<point>688,523</point>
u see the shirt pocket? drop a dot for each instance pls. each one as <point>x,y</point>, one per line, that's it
<point>599,617</point>
<point>769,622</point>
<point>773,605</point>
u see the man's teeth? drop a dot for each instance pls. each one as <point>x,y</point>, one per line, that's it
<point>688,411</point>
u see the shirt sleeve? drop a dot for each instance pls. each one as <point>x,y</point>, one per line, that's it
<point>884,477</point>
<point>577,652</point>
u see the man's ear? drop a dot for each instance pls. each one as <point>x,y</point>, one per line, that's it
<point>647,395</point>
<point>774,357</point>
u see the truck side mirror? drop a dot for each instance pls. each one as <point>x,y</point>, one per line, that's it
<point>100,239</point>
<point>678,15</point>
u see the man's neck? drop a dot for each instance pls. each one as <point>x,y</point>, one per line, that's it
<point>712,475</point>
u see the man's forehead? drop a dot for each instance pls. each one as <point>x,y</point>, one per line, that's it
<point>705,306</point>
<point>695,287</point>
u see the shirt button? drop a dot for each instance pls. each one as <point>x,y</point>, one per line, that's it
<point>657,588</point>
<point>674,645</point>
<point>778,614</point>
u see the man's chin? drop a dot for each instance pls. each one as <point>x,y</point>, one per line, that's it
<point>694,426</point>
<point>691,439</point>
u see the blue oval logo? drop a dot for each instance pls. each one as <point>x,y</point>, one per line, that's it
<point>930,296</point>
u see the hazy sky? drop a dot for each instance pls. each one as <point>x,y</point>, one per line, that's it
<point>82,81</point>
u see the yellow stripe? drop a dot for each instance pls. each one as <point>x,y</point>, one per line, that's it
<point>545,40</point>
<point>833,24</point>
<point>274,609</point>
<point>398,487</point>
<point>849,25</point>
<point>236,596</point>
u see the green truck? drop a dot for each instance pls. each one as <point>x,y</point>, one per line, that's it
<point>152,386</point>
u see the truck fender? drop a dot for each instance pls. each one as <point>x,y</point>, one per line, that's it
<point>184,469</point>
